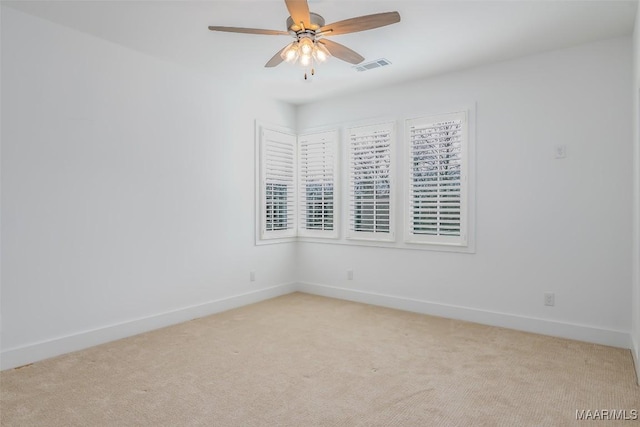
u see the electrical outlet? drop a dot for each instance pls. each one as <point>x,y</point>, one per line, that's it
<point>549,299</point>
<point>349,274</point>
<point>252,276</point>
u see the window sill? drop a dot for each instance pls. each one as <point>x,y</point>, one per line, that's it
<point>469,249</point>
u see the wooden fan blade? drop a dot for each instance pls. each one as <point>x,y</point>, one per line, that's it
<point>361,23</point>
<point>276,60</point>
<point>249,31</point>
<point>342,52</point>
<point>299,11</point>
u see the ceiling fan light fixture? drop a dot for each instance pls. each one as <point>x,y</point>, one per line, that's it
<point>306,46</point>
<point>305,60</point>
<point>320,52</point>
<point>291,52</point>
<point>320,56</point>
<point>304,51</point>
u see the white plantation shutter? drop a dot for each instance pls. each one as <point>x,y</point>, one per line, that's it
<point>370,182</point>
<point>277,184</point>
<point>437,179</point>
<point>317,166</point>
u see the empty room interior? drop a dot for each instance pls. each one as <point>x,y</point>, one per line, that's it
<point>281,212</point>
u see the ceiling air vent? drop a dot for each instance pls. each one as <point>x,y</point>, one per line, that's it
<point>373,64</point>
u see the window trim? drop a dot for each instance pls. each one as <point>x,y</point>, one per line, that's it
<point>398,182</point>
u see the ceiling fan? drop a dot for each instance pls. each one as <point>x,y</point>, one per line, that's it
<point>309,31</point>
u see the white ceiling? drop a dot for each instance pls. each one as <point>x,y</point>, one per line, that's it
<point>433,37</point>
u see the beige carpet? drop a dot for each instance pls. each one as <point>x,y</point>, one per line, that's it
<point>303,360</point>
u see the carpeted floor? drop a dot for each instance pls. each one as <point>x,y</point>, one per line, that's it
<point>303,360</point>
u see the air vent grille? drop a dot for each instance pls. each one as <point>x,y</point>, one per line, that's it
<point>373,64</point>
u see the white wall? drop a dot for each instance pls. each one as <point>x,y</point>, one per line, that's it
<point>127,192</point>
<point>127,195</point>
<point>635,299</point>
<point>0,185</point>
<point>543,224</point>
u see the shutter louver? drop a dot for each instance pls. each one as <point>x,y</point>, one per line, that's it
<point>370,177</point>
<point>317,177</point>
<point>437,179</point>
<point>278,184</point>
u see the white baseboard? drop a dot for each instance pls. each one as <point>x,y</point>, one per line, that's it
<point>528,324</point>
<point>19,356</point>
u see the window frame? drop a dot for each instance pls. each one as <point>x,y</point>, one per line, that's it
<point>410,237</point>
<point>263,235</point>
<point>375,236</point>
<point>333,136</point>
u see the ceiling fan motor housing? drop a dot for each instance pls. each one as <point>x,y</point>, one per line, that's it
<point>316,20</point>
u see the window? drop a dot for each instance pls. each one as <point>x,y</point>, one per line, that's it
<point>317,160</point>
<point>277,212</point>
<point>346,186</point>
<point>436,196</point>
<point>370,182</point>
<point>277,184</point>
